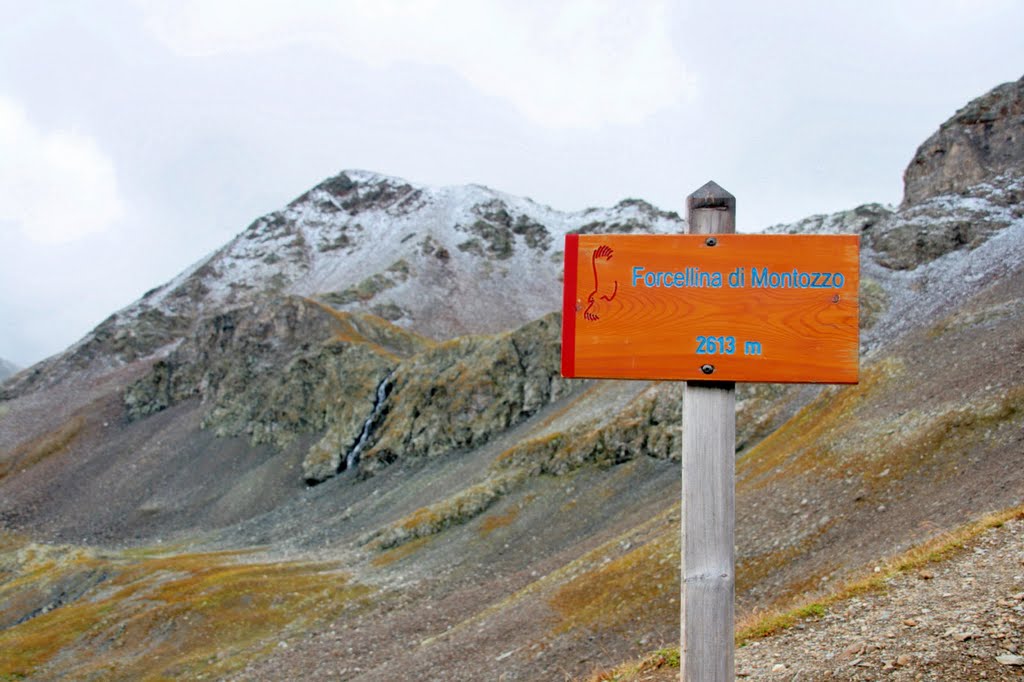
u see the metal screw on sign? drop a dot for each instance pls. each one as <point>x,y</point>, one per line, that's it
<point>711,241</point>
<point>707,369</point>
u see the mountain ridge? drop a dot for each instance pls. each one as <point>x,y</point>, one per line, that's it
<point>461,259</point>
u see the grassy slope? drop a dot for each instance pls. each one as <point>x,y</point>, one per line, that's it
<point>153,615</point>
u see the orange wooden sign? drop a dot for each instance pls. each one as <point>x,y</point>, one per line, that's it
<point>730,307</point>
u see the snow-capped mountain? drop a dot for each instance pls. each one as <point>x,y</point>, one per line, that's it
<point>437,261</point>
<point>440,261</point>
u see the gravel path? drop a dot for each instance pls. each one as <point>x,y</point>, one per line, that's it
<point>956,621</point>
<point>959,620</point>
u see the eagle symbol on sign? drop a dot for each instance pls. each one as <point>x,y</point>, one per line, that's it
<point>602,253</point>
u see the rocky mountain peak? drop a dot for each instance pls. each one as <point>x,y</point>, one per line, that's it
<point>357,191</point>
<point>441,261</point>
<point>964,186</point>
<point>981,141</point>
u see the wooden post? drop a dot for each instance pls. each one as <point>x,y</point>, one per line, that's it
<point>709,492</point>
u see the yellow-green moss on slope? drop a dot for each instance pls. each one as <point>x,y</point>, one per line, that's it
<point>663,659</point>
<point>804,442</point>
<point>835,437</point>
<point>161,617</point>
<point>43,447</point>
<point>455,510</point>
<point>633,586</point>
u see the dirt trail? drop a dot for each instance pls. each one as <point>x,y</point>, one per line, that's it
<point>962,619</point>
<point>959,620</point>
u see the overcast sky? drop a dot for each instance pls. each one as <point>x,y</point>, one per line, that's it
<point>136,137</point>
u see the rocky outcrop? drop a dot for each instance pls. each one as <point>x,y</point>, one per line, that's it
<point>981,141</point>
<point>462,393</point>
<point>921,232</point>
<point>628,216</point>
<point>918,233</point>
<point>649,425</point>
<point>277,369</point>
<point>290,366</point>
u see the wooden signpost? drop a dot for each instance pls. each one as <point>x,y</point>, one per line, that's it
<point>711,308</point>
<point>728,307</point>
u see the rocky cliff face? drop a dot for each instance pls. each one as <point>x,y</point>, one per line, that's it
<point>461,394</point>
<point>915,234</point>
<point>290,366</point>
<point>964,184</point>
<point>277,369</point>
<point>983,140</point>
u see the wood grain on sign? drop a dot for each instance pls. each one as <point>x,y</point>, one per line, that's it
<point>758,308</point>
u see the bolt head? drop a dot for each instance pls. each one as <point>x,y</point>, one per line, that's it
<point>710,241</point>
<point>707,369</point>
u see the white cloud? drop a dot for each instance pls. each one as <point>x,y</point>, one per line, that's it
<point>55,186</point>
<point>571,64</point>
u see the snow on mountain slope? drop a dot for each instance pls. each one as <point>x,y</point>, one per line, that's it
<point>920,260</point>
<point>441,261</point>
<point>438,261</point>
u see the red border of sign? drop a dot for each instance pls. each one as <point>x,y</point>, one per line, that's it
<point>813,340</point>
<point>569,305</point>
